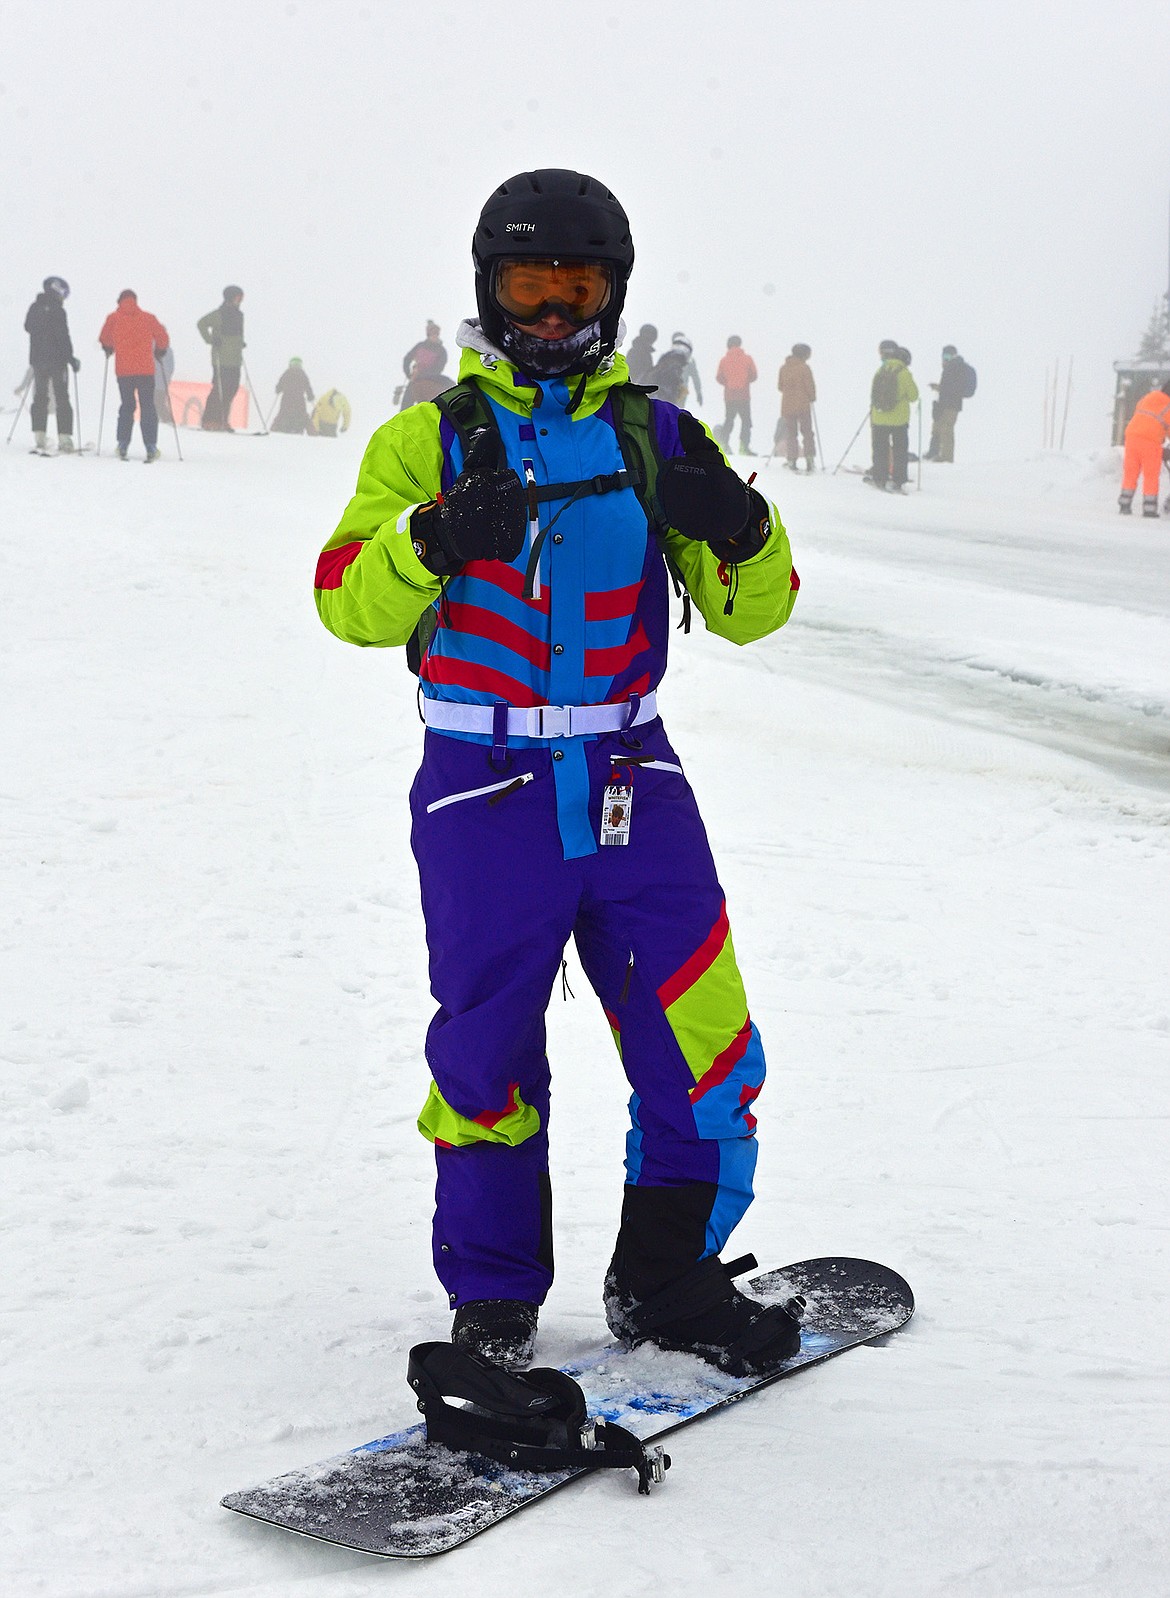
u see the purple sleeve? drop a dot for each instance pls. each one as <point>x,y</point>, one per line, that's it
<point>666,429</point>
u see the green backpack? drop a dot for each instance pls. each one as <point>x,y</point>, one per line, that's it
<point>884,394</point>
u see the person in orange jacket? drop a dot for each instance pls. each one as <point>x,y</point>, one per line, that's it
<point>1146,437</point>
<point>135,339</point>
<point>736,372</point>
<point>798,395</point>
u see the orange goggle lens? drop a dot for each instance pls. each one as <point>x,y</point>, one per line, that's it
<point>528,290</point>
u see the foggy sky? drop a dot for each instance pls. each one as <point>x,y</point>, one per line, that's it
<point>996,177</point>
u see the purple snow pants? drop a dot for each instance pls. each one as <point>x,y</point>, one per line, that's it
<point>500,903</point>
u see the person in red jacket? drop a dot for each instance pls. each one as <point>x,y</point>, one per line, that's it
<point>135,339</point>
<point>737,372</point>
<point>1145,439</point>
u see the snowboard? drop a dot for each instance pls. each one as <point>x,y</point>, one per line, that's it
<point>403,1498</point>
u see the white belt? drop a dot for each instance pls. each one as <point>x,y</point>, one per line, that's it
<point>538,721</point>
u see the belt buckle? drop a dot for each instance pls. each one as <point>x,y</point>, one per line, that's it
<point>551,721</point>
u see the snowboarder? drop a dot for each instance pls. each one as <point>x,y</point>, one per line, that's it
<point>549,802</point>
<point>50,354</point>
<point>223,329</point>
<point>675,370</point>
<point>736,374</point>
<point>798,394</point>
<point>425,367</point>
<point>1146,436</point>
<point>330,410</point>
<point>136,340</point>
<point>640,355</point>
<point>955,384</point>
<point>295,392</point>
<point>892,393</point>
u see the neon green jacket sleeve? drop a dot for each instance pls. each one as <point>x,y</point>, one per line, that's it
<point>764,591</point>
<point>371,586</point>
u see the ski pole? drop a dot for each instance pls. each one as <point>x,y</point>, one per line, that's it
<point>255,399</point>
<point>851,443</point>
<point>170,407</point>
<point>77,411</point>
<point>919,446</point>
<point>817,435</point>
<point>102,412</point>
<point>19,409</point>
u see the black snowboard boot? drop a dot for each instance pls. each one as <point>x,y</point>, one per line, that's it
<point>704,1313</point>
<point>1125,502</point>
<point>502,1330</point>
<point>658,1289</point>
<point>1150,505</point>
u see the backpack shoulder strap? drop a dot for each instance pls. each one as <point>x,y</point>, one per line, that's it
<point>638,441</point>
<point>466,408</point>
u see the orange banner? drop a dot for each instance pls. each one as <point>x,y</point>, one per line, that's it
<point>188,400</point>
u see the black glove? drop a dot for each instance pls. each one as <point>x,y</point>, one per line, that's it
<point>703,498</point>
<point>75,363</point>
<point>481,517</point>
<point>109,350</point>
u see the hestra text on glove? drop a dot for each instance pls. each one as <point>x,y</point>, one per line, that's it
<point>703,498</point>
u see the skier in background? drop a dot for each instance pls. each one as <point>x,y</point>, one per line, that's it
<point>330,410</point>
<point>955,384</point>
<point>798,394</point>
<point>675,370</point>
<point>295,392</point>
<point>50,354</point>
<point>892,393</point>
<point>534,736</point>
<point>223,329</point>
<point>1146,436</point>
<point>134,338</point>
<point>640,355</point>
<point>736,374</point>
<point>425,367</point>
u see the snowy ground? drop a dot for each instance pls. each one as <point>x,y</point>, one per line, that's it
<point>940,801</point>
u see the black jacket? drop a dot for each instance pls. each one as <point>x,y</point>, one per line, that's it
<point>47,326</point>
<point>640,358</point>
<point>952,381</point>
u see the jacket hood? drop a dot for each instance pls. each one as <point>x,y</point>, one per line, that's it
<point>516,391</point>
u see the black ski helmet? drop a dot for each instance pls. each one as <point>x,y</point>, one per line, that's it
<point>56,285</point>
<point>553,213</point>
<point>233,291</point>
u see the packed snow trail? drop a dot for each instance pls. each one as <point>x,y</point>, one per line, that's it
<point>215,1225</point>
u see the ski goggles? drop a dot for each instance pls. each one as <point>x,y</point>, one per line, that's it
<point>526,290</point>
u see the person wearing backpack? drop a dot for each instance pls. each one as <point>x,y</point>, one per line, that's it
<point>956,383</point>
<point>536,514</point>
<point>892,393</point>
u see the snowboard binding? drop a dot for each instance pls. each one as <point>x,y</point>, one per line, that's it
<point>536,1421</point>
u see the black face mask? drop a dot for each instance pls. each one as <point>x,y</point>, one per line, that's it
<point>552,357</point>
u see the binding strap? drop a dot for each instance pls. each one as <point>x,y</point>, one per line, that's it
<point>534,1421</point>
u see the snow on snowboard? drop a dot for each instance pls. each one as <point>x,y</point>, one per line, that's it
<point>403,1498</point>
